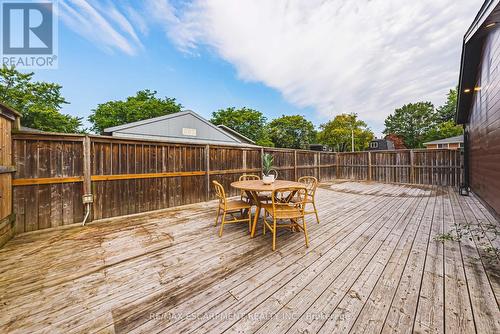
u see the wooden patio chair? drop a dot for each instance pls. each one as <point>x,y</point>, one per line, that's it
<point>287,205</point>
<point>311,184</point>
<point>263,198</point>
<point>230,207</point>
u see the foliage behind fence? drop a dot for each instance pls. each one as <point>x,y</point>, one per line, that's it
<point>131,176</point>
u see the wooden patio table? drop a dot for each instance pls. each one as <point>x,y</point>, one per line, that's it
<point>253,187</point>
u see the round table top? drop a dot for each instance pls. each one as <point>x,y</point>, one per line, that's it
<point>258,185</point>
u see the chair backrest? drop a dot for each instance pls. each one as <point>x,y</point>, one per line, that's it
<point>311,184</point>
<point>219,192</point>
<point>246,177</point>
<point>289,199</point>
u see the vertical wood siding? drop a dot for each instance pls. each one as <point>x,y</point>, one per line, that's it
<point>484,126</point>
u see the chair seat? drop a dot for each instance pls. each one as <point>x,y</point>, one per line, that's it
<point>237,205</point>
<point>286,212</point>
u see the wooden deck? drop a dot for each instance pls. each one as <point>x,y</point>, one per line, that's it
<point>372,266</point>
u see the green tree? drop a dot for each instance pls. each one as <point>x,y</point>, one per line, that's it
<point>412,122</point>
<point>248,122</point>
<point>337,133</point>
<point>143,105</point>
<point>291,132</point>
<point>38,102</point>
<point>443,130</point>
<point>446,112</point>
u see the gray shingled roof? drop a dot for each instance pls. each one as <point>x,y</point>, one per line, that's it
<point>235,133</point>
<point>123,131</point>
<point>456,139</point>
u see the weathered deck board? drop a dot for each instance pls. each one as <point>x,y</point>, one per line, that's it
<point>373,265</point>
<point>430,313</point>
<point>310,282</point>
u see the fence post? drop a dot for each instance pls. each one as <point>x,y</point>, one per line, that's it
<point>87,181</point>
<point>261,160</point>
<point>295,164</point>
<point>207,170</point>
<point>318,159</point>
<point>87,199</point>
<point>244,163</point>
<point>369,166</point>
<point>412,167</point>
<point>337,171</point>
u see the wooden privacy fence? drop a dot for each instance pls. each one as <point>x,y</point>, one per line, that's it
<point>131,176</point>
<point>7,120</point>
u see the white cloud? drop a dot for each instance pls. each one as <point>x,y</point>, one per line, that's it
<point>364,56</point>
<point>105,25</point>
<point>137,19</point>
<point>184,33</point>
<point>358,56</point>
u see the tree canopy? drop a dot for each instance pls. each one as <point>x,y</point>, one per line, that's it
<point>38,102</point>
<point>337,133</point>
<point>446,112</point>
<point>420,122</point>
<point>443,130</point>
<point>248,122</point>
<point>291,132</point>
<point>398,142</point>
<point>145,104</point>
<point>412,122</point>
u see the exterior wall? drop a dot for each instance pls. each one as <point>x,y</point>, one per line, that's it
<point>451,146</point>
<point>484,126</point>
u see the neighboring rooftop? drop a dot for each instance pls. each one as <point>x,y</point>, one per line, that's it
<point>450,140</point>
<point>183,127</point>
<point>236,134</point>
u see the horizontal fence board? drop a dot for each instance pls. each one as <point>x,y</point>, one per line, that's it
<point>130,176</point>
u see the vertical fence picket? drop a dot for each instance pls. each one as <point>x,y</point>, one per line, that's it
<point>129,176</point>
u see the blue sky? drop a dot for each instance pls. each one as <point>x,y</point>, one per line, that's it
<point>203,82</point>
<point>316,58</point>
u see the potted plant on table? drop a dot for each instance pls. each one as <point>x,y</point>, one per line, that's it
<point>270,174</point>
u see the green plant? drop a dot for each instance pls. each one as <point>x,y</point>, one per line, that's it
<point>444,237</point>
<point>492,251</point>
<point>483,235</point>
<point>267,164</point>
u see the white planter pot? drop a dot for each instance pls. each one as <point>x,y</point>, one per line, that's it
<point>268,179</point>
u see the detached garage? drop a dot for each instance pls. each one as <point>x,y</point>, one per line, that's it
<point>181,127</point>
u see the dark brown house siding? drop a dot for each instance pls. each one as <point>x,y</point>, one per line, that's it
<point>484,125</point>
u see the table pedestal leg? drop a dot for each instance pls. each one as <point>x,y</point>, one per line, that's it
<point>255,197</point>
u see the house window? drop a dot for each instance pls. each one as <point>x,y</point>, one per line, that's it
<point>373,144</point>
<point>461,145</point>
<point>442,145</point>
